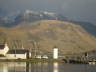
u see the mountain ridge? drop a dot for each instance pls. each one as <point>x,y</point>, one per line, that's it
<point>29,16</point>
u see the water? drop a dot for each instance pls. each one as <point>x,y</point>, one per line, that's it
<point>45,67</point>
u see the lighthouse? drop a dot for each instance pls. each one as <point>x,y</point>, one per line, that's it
<point>55,53</point>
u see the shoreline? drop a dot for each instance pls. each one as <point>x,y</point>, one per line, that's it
<point>31,60</point>
<point>35,60</point>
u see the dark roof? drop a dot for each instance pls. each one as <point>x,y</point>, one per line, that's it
<point>2,46</point>
<point>17,51</point>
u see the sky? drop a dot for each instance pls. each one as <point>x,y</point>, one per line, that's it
<point>83,10</point>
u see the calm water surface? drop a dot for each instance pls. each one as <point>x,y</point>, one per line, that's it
<point>45,67</point>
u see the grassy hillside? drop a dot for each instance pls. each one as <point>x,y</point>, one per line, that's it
<point>45,34</point>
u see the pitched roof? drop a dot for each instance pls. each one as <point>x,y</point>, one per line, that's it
<point>2,46</point>
<point>17,51</point>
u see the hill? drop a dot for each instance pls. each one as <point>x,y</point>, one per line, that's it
<point>89,27</point>
<point>45,34</point>
<point>30,16</point>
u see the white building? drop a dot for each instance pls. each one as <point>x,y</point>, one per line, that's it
<point>55,53</point>
<point>4,49</point>
<point>45,57</point>
<point>17,54</point>
<point>38,56</point>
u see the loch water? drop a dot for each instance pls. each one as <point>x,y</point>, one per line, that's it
<point>45,67</point>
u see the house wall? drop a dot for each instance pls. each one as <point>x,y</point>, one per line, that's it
<point>16,56</point>
<point>2,51</point>
<point>5,50</point>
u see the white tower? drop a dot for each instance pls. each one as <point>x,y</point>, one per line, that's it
<point>55,53</point>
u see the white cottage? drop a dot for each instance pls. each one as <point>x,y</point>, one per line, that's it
<point>17,54</point>
<point>4,49</point>
<point>45,57</point>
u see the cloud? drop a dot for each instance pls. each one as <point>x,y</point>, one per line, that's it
<point>75,9</point>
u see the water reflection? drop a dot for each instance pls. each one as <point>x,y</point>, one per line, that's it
<point>55,67</point>
<point>3,67</point>
<point>16,67</point>
<point>40,67</point>
<point>12,67</point>
<point>44,67</point>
